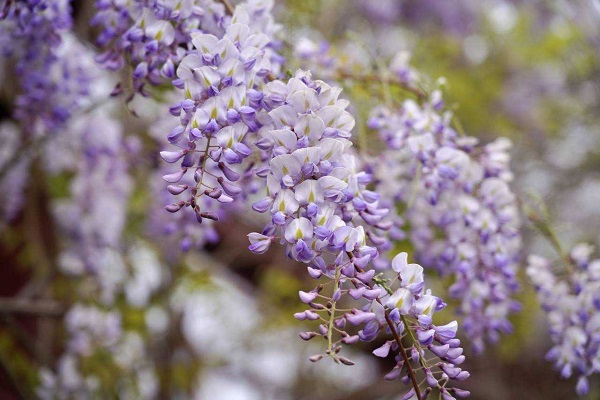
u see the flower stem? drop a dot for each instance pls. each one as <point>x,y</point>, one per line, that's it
<point>203,167</point>
<point>330,325</point>
<point>398,339</point>
<point>409,368</point>
<point>376,79</point>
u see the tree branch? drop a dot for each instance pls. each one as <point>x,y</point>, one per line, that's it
<point>46,308</point>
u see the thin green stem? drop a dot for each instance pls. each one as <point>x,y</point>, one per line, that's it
<point>409,368</point>
<point>375,79</point>
<point>545,228</point>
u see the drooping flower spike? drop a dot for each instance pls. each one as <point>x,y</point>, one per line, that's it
<point>453,186</point>
<point>572,307</point>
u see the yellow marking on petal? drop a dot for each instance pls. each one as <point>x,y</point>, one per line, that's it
<point>158,35</point>
<point>400,302</point>
<point>427,310</point>
<point>188,94</point>
<point>282,206</point>
<point>311,197</point>
<point>298,233</point>
<point>285,170</point>
<point>213,114</point>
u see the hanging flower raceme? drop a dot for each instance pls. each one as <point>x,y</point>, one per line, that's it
<point>154,37</point>
<point>434,354</point>
<point>451,185</point>
<point>54,81</point>
<point>95,215</point>
<point>219,118</point>
<point>572,307</point>
<point>237,124</point>
<point>95,330</point>
<point>151,36</point>
<point>435,349</point>
<point>316,197</point>
<point>324,215</point>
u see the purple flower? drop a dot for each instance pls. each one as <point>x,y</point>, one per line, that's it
<point>572,309</point>
<point>452,187</point>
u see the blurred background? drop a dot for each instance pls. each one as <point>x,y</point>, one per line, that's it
<point>216,322</point>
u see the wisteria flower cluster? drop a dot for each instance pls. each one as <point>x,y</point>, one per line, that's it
<point>406,312</point>
<point>36,36</point>
<point>214,130</point>
<point>450,184</point>
<point>299,130</point>
<point>152,36</point>
<point>218,116</point>
<point>571,300</point>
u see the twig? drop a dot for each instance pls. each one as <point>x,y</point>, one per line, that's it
<point>330,323</point>
<point>543,225</point>
<point>46,308</point>
<point>409,368</point>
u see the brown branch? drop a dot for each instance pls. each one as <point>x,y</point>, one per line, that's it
<point>409,368</point>
<point>47,308</point>
<point>398,339</point>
